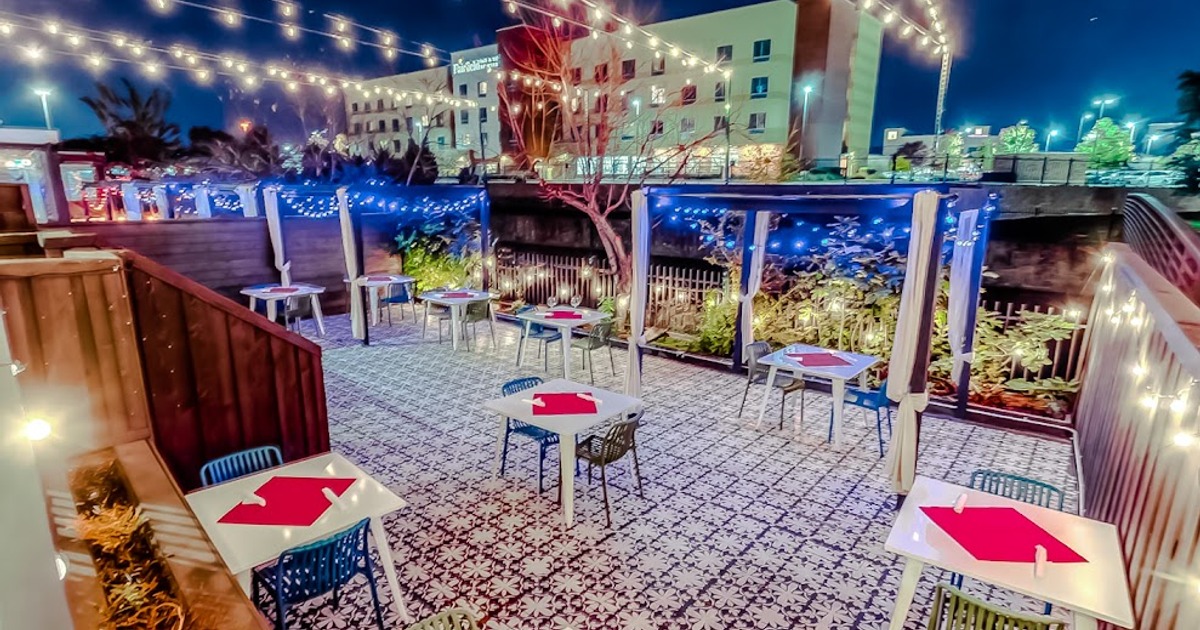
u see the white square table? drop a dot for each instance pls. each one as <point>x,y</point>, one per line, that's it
<point>273,294</point>
<point>779,361</point>
<point>244,547</point>
<point>1093,590</point>
<point>373,282</point>
<point>565,326</point>
<point>567,426</point>
<point>457,305</point>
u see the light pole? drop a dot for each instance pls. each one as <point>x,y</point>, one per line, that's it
<point>44,94</point>
<point>728,143</point>
<point>1132,127</point>
<point>1150,140</point>
<point>1082,119</point>
<point>1049,136</point>
<point>1103,102</point>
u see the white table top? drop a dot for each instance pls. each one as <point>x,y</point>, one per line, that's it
<point>244,547</point>
<point>265,293</point>
<point>1097,588</point>
<point>435,297</point>
<point>858,362</point>
<point>589,316</point>
<point>610,404</point>
<point>383,279</point>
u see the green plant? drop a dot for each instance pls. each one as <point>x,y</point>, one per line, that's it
<point>1107,144</point>
<point>1019,138</point>
<point>433,268</point>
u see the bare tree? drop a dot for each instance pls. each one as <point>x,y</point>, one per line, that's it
<point>571,98</point>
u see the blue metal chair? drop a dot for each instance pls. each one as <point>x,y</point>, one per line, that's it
<point>545,439</point>
<point>540,333</point>
<point>398,294</point>
<point>312,570</point>
<point>1017,488</point>
<point>240,464</point>
<point>872,400</point>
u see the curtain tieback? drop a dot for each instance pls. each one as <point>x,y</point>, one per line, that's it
<point>964,357</point>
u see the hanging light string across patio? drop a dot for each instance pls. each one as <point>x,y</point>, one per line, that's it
<point>626,30</point>
<point>291,28</point>
<point>910,28</point>
<point>153,60</point>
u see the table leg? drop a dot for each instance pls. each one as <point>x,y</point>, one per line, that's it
<point>454,326</point>
<point>318,316</point>
<point>839,404</point>
<point>565,342</point>
<point>1083,622</point>
<point>770,384</point>
<point>272,309</point>
<point>374,305</point>
<point>524,340</point>
<point>904,597</point>
<point>566,456</point>
<point>253,303</point>
<point>499,447</point>
<point>389,568</point>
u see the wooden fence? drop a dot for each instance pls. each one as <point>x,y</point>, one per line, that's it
<point>1139,447</point>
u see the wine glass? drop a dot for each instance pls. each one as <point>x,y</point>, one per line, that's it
<point>552,301</point>
<point>576,300</point>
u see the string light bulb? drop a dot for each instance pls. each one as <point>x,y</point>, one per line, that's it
<point>53,27</point>
<point>290,31</point>
<point>1183,439</point>
<point>6,29</point>
<point>287,9</point>
<point>36,429</point>
<point>230,18</point>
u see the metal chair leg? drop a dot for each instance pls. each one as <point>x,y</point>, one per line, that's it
<point>637,472</point>
<point>604,491</point>
<point>374,590</point>
<point>782,407</point>
<point>879,429</point>
<point>745,393</point>
<point>492,328</point>
<point>504,451</point>
<point>611,360</point>
<point>587,358</point>
<point>541,466</point>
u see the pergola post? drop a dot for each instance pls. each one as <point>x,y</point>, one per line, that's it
<point>350,222</point>
<point>963,361</point>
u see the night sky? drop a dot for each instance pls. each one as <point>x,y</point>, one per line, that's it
<point>1040,60</point>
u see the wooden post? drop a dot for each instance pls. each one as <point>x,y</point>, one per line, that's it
<point>246,194</point>
<point>203,201</point>
<point>162,201</point>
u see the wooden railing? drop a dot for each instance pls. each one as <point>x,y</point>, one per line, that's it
<point>1137,421</point>
<point>1165,241</point>
<point>221,378</point>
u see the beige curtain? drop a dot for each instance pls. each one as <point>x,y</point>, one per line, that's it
<point>637,293</point>
<point>275,230</point>
<point>961,292</point>
<point>901,461</point>
<point>358,324</point>
<point>758,255</point>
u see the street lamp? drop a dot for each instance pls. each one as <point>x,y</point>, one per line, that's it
<point>1104,102</point>
<point>44,94</point>
<point>1132,127</point>
<point>1150,140</point>
<point>1082,119</point>
<point>1050,136</point>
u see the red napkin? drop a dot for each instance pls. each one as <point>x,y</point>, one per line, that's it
<point>562,404</point>
<point>283,290</point>
<point>296,501</point>
<point>564,315</point>
<point>819,359</point>
<point>379,278</point>
<point>457,294</point>
<point>999,534</point>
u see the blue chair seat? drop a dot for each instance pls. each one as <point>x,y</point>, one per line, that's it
<point>545,335</point>
<point>532,432</point>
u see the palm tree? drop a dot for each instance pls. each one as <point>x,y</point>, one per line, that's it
<point>136,131</point>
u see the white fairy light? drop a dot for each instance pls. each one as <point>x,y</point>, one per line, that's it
<point>290,31</point>
<point>53,27</point>
<point>33,53</point>
<point>1183,439</point>
<point>230,18</point>
<point>6,29</point>
<point>287,9</point>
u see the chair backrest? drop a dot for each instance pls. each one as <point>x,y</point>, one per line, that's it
<point>533,327</point>
<point>881,398</point>
<point>451,619</point>
<point>1018,488</point>
<point>240,464</point>
<point>955,610</point>
<point>308,571</point>
<point>754,352</point>
<point>619,439</point>
<point>478,311</point>
<point>520,384</point>
<point>600,333</point>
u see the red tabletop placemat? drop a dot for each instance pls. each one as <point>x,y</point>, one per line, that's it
<point>560,404</point>
<point>283,289</point>
<point>457,294</point>
<point>379,278</point>
<point>999,534</point>
<point>296,501</point>
<point>818,359</point>
<point>564,315</point>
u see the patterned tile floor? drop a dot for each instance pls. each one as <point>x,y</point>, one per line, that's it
<point>739,528</point>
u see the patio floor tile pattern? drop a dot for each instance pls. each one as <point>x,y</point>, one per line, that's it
<point>739,528</point>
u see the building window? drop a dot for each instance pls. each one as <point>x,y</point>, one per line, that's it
<point>720,123</point>
<point>396,145</point>
<point>725,53</point>
<point>893,134</point>
<point>439,120</point>
<point>409,125</point>
<point>762,50</point>
<point>357,128</point>
<point>462,89</point>
<point>441,140</point>
<point>687,126</point>
<point>464,117</point>
<point>658,95</point>
<point>759,86</point>
<point>602,103</point>
<point>600,73</point>
<point>658,65</point>
<point>466,140</point>
<point>482,88</point>
<point>719,92</point>
<point>687,95</point>
<point>482,114</point>
<point>395,125</point>
<point>367,106</point>
<point>576,75</point>
<point>354,107</point>
<point>379,104</point>
<point>628,69</point>
<point>656,128</point>
<point>758,122</point>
